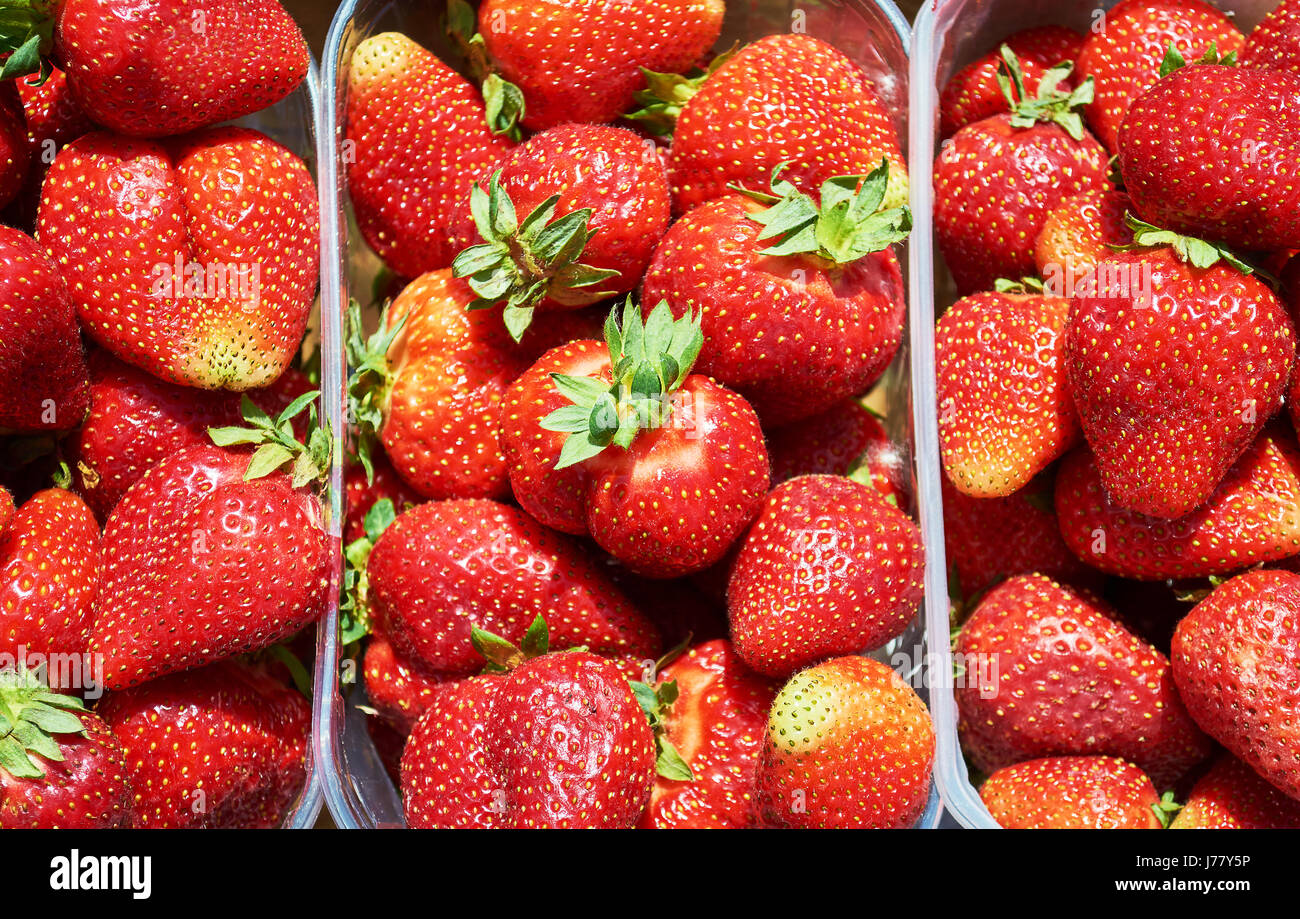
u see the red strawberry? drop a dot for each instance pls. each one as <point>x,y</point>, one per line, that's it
<point>43,380</point>
<point>830,726</point>
<point>418,137</point>
<point>1238,181</point>
<point>1124,57</point>
<point>846,438</point>
<point>362,494</point>
<point>1073,793</point>
<point>14,154</point>
<point>61,767</point>
<point>1005,411</point>
<point>828,568</point>
<point>1077,234</point>
<point>398,691</point>
<point>7,508</point>
<point>1231,796</point>
<point>1275,42</point>
<point>1059,675</point>
<point>221,747</point>
<point>54,119</point>
<point>800,305</point>
<point>225,218</point>
<point>50,568</point>
<point>973,92</point>
<point>1235,659</point>
<point>1253,516</point>
<point>716,724</point>
<point>583,60</point>
<point>1154,355</point>
<point>664,468</point>
<point>996,180</point>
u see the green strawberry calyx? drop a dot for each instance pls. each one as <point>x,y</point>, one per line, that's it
<point>666,94</point>
<point>503,656</point>
<point>1165,809</point>
<point>503,101</point>
<point>1174,60</point>
<point>649,360</point>
<point>354,611</point>
<point>522,264</point>
<point>655,701</point>
<point>370,382</point>
<point>31,715</point>
<point>1025,285</point>
<point>846,226</point>
<point>277,445</point>
<point>1050,104</point>
<point>27,38</point>
<point>1198,253</point>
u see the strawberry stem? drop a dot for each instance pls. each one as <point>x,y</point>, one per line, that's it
<point>1198,253</point>
<point>370,382</point>
<point>666,94</point>
<point>30,715</point>
<point>1049,104</point>
<point>277,445</point>
<point>503,100</point>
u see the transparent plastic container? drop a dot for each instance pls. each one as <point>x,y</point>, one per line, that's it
<point>948,34</point>
<point>357,788</point>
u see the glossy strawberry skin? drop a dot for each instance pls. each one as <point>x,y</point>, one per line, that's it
<point>1070,680</point>
<point>1232,796</point>
<point>1072,793</point>
<point>1235,657</point>
<point>789,334</point>
<point>396,689</point>
<point>1078,233</point>
<point>828,568</point>
<point>1275,42</point>
<point>196,566</point>
<point>219,747</point>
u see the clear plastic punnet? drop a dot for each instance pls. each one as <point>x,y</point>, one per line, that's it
<point>358,790</point>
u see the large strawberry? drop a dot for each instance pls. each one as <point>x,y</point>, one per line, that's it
<point>664,468</point>
<point>1275,42</point>
<point>1235,658</point>
<point>1060,675</point>
<point>220,747</point>
<point>834,724</point>
<point>1074,793</point>
<point>44,385</point>
<point>801,305</point>
<point>845,439</point>
<point>1232,796</point>
<point>195,259</point>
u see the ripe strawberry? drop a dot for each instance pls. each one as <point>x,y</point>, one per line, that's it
<point>419,136</point>
<point>14,154</point>
<point>1231,796</point>
<point>570,218</point>
<point>7,509</point>
<point>845,439</point>
<point>1236,182</point>
<point>1070,679</point>
<point>43,380</point>
<point>1253,516</point>
<point>1275,42</point>
<point>1074,793</point>
<point>973,93</point>
<point>1124,57</point>
<point>1077,234</point>
<point>1154,356</point>
<point>785,99</point>
<point>60,765</point>
<point>1235,658</point>
<point>716,723</point>
<point>664,468</point>
<point>396,689</point>
<point>996,180</point>
<point>54,119</point>
<point>830,726</point>
<point>221,747</point>
<point>1005,411</point>
<point>828,568</point>
<point>800,305</point>
<point>50,566</point>
<point>214,287</point>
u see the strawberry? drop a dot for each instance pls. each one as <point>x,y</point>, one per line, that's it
<point>1005,411</point>
<point>1235,658</point>
<point>1077,234</point>
<point>7,509</point>
<point>363,494</point>
<point>1236,182</point>
<point>588,192</point>
<point>225,217</point>
<point>60,765</point>
<point>716,723</point>
<point>220,747</point>
<point>44,385</point>
<point>1154,355</point>
<point>681,611</point>
<point>1070,679</point>
<point>1253,516</point>
<point>1275,42</point>
<point>15,156</point>
<point>1074,793</point>
<point>996,180</point>
<point>417,135</point>
<point>800,305</point>
<point>50,568</point>
<point>396,689</point>
<point>54,119</point>
<point>662,467</point>
<point>1231,796</point>
<point>845,439</point>
<point>830,726</point>
<point>973,94</point>
<point>828,568</point>
<point>1124,57</point>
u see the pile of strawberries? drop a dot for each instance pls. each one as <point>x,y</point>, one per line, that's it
<point>1119,211</point>
<point>619,525</point>
<point>157,272</point>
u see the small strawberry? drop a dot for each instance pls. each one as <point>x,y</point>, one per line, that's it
<point>397,690</point>
<point>54,119</point>
<point>1077,234</point>
<point>7,509</point>
<point>1231,796</point>
<point>221,747</point>
<point>1074,793</point>
<point>1275,42</point>
<point>831,726</point>
<point>845,439</point>
<point>1235,658</point>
